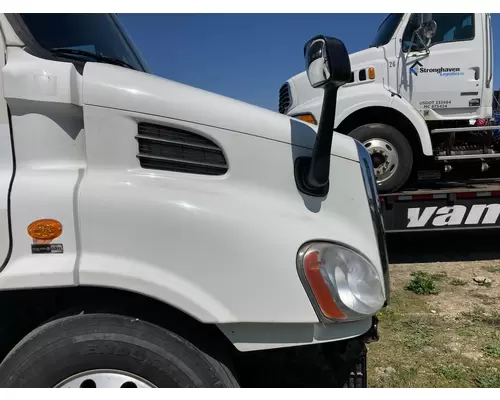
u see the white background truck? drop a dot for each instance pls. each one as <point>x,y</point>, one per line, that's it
<point>157,235</point>
<point>421,101</point>
<point>412,95</point>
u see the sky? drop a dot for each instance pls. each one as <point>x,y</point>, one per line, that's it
<point>246,56</point>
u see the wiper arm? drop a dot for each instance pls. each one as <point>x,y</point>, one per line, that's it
<point>98,57</point>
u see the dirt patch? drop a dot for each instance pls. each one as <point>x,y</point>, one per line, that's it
<point>447,339</point>
<point>459,291</point>
<point>474,355</point>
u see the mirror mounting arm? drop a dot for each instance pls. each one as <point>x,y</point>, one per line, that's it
<point>312,173</point>
<point>328,67</point>
<point>320,162</point>
<point>426,44</point>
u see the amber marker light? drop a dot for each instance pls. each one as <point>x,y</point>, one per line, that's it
<point>45,230</point>
<point>309,118</point>
<point>318,286</point>
<point>371,73</point>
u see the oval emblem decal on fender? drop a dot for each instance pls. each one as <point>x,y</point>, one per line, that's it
<point>45,230</point>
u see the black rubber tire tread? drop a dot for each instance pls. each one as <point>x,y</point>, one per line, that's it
<point>67,346</point>
<point>402,146</point>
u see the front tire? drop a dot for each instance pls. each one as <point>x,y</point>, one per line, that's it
<point>104,350</point>
<point>391,153</point>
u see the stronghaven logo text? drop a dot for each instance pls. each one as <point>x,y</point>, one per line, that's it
<point>441,71</point>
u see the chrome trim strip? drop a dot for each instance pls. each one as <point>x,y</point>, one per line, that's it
<point>370,181</point>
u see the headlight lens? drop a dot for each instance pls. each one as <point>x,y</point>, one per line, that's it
<point>342,283</point>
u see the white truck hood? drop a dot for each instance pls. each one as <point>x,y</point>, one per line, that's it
<point>125,89</point>
<point>301,90</point>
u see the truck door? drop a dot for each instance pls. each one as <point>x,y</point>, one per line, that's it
<point>447,80</point>
<point>6,167</point>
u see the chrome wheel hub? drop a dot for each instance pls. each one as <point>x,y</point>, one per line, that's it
<point>384,156</point>
<point>105,379</point>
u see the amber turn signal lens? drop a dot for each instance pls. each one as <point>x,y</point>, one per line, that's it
<point>320,289</point>
<point>307,118</point>
<point>371,73</point>
<point>45,229</point>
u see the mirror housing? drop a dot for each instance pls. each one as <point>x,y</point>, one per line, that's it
<point>424,17</point>
<point>327,62</point>
<point>328,66</point>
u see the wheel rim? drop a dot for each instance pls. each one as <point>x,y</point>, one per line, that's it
<point>384,156</point>
<point>105,379</point>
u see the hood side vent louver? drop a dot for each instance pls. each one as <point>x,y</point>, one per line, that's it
<point>170,149</point>
<point>285,100</point>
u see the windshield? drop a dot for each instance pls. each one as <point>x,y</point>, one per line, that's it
<point>99,34</point>
<point>386,30</point>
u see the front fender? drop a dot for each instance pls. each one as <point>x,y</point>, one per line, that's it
<point>357,97</point>
<point>405,108</point>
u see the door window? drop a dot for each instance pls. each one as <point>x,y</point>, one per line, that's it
<point>450,28</point>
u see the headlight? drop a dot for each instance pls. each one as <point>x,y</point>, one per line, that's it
<point>342,284</point>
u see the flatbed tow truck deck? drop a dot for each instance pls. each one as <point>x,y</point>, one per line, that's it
<point>459,205</point>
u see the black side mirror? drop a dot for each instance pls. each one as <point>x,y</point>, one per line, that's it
<point>327,62</point>
<point>328,67</point>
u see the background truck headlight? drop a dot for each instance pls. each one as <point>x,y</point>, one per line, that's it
<point>341,283</point>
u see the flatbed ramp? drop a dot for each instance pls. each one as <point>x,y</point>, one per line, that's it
<point>436,206</point>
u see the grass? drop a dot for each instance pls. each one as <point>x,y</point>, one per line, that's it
<point>423,283</point>
<point>416,332</point>
<point>479,315</point>
<point>493,270</point>
<point>488,379</point>
<point>452,372</point>
<point>456,346</point>
<point>492,350</point>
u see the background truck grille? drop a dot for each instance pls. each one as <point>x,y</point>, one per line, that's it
<point>171,149</point>
<point>285,100</point>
